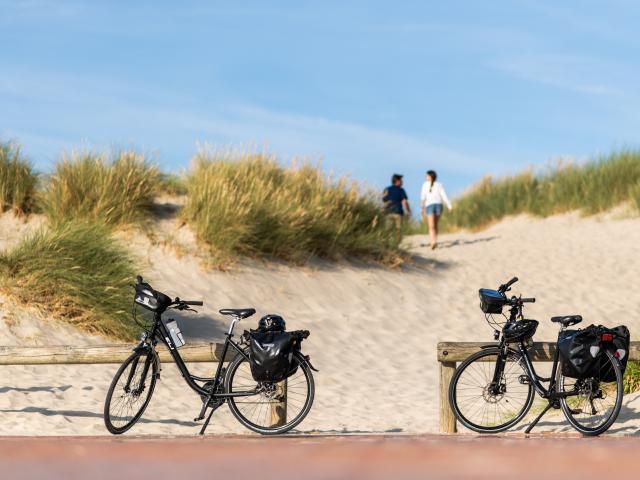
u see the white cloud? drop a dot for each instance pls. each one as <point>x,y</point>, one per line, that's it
<point>574,73</point>
<point>132,113</point>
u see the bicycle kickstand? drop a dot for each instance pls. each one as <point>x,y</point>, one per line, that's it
<point>537,419</point>
<point>206,422</point>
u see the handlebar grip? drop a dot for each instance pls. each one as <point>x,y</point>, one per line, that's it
<point>511,282</point>
<point>193,302</point>
<point>528,300</point>
<point>505,286</point>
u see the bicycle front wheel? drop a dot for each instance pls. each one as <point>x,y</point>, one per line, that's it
<point>279,406</point>
<point>482,406</point>
<point>130,392</point>
<point>596,402</point>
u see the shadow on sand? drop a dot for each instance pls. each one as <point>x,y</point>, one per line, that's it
<point>459,243</point>
<point>62,388</point>
<point>85,414</point>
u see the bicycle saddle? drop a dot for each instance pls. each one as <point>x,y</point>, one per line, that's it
<point>238,312</point>
<point>567,320</point>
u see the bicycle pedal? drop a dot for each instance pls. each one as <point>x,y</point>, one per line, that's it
<point>198,419</point>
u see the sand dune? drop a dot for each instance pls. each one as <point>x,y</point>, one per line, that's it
<point>374,331</point>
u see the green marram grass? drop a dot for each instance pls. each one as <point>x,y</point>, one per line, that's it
<point>116,189</point>
<point>249,204</point>
<point>17,180</point>
<point>632,377</point>
<point>172,184</point>
<point>592,187</point>
<point>76,272</point>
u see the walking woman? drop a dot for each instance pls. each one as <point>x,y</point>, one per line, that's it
<point>431,199</point>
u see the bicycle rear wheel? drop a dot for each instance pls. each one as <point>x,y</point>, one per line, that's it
<point>485,408</point>
<point>130,392</point>
<point>278,407</point>
<point>598,401</point>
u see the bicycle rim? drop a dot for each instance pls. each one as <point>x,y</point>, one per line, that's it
<point>124,408</point>
<point>476,406</point>
<point>598,403</point>
<point>270,412</point>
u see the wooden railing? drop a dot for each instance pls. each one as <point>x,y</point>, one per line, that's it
<point>116,354</point>
<point>451,352</point>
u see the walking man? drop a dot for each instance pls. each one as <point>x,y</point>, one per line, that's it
<point>396,203</point>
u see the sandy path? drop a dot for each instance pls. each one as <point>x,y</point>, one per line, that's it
<point>373,331</point>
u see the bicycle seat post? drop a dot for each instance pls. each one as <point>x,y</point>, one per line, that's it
<point>235,320</point>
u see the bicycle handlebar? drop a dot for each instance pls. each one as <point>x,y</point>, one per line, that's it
<point>528,300</point>
<point>505,287</point>
<point>198,303</point>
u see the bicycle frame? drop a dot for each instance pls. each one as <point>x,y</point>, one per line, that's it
<point>159,331</point>
<point>551,393</point>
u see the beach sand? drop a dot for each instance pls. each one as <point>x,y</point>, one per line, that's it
<point>373,331</point>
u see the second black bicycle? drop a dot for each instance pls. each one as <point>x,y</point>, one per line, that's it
<point>493,389</point>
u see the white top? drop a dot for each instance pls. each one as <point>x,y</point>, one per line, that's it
<point>433,194</point>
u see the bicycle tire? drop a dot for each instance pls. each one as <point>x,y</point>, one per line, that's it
<point>251,425</point>
<point>570,413</point>
<point>516,359</point>
<point>109,416</point>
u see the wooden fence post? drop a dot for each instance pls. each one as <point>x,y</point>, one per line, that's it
<point>447,419</point>
<point>279,408</point>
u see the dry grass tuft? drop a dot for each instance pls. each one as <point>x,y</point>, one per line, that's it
<point>248,204</point>
<point>17,180</point>
<point>116,190</point>
<point>77,272</point>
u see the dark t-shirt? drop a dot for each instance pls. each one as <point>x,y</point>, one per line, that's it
<point>392,198</point>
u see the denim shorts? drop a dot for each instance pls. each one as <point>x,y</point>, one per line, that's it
<point>434,209</point>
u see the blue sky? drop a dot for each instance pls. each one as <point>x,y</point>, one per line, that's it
<point>467,88</point>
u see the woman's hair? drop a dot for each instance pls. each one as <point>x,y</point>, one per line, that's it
<point>433,175</point>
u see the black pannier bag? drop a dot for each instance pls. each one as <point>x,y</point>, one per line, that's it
<point>271,353</point>
<point>492,301</point>
<point>580,352</point>
<point>583,351</point>
<point>616,340</point>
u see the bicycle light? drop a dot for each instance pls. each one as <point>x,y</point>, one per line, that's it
<point>607,337</point>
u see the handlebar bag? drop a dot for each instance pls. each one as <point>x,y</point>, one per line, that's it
<point>491,301</point>
<point>580,352</point>
<point>150,299</point>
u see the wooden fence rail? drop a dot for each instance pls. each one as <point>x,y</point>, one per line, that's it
<point>451,352</point>
<point>96,354</point>
<point>116,354</point>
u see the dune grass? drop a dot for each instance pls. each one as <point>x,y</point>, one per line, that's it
<point>248,204</point>
<point>115,190</point>
<point>78,273</point>
<point>632,377</point>
<point>592,187</point>
<point>172,183</point>
<point>17,180</point>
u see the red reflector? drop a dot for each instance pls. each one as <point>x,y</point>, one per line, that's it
<point>607,337</point>
<point>618,355</point>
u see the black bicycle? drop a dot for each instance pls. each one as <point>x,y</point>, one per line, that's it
<point>264,407</point>
<point>493,389</point>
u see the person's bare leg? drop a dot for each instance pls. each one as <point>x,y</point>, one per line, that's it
<point>432,230</point>
<point>436,219</point>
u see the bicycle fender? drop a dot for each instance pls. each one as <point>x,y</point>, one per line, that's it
<point>144,348</point>
<point>494,345</point>
<point>307,359</point>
